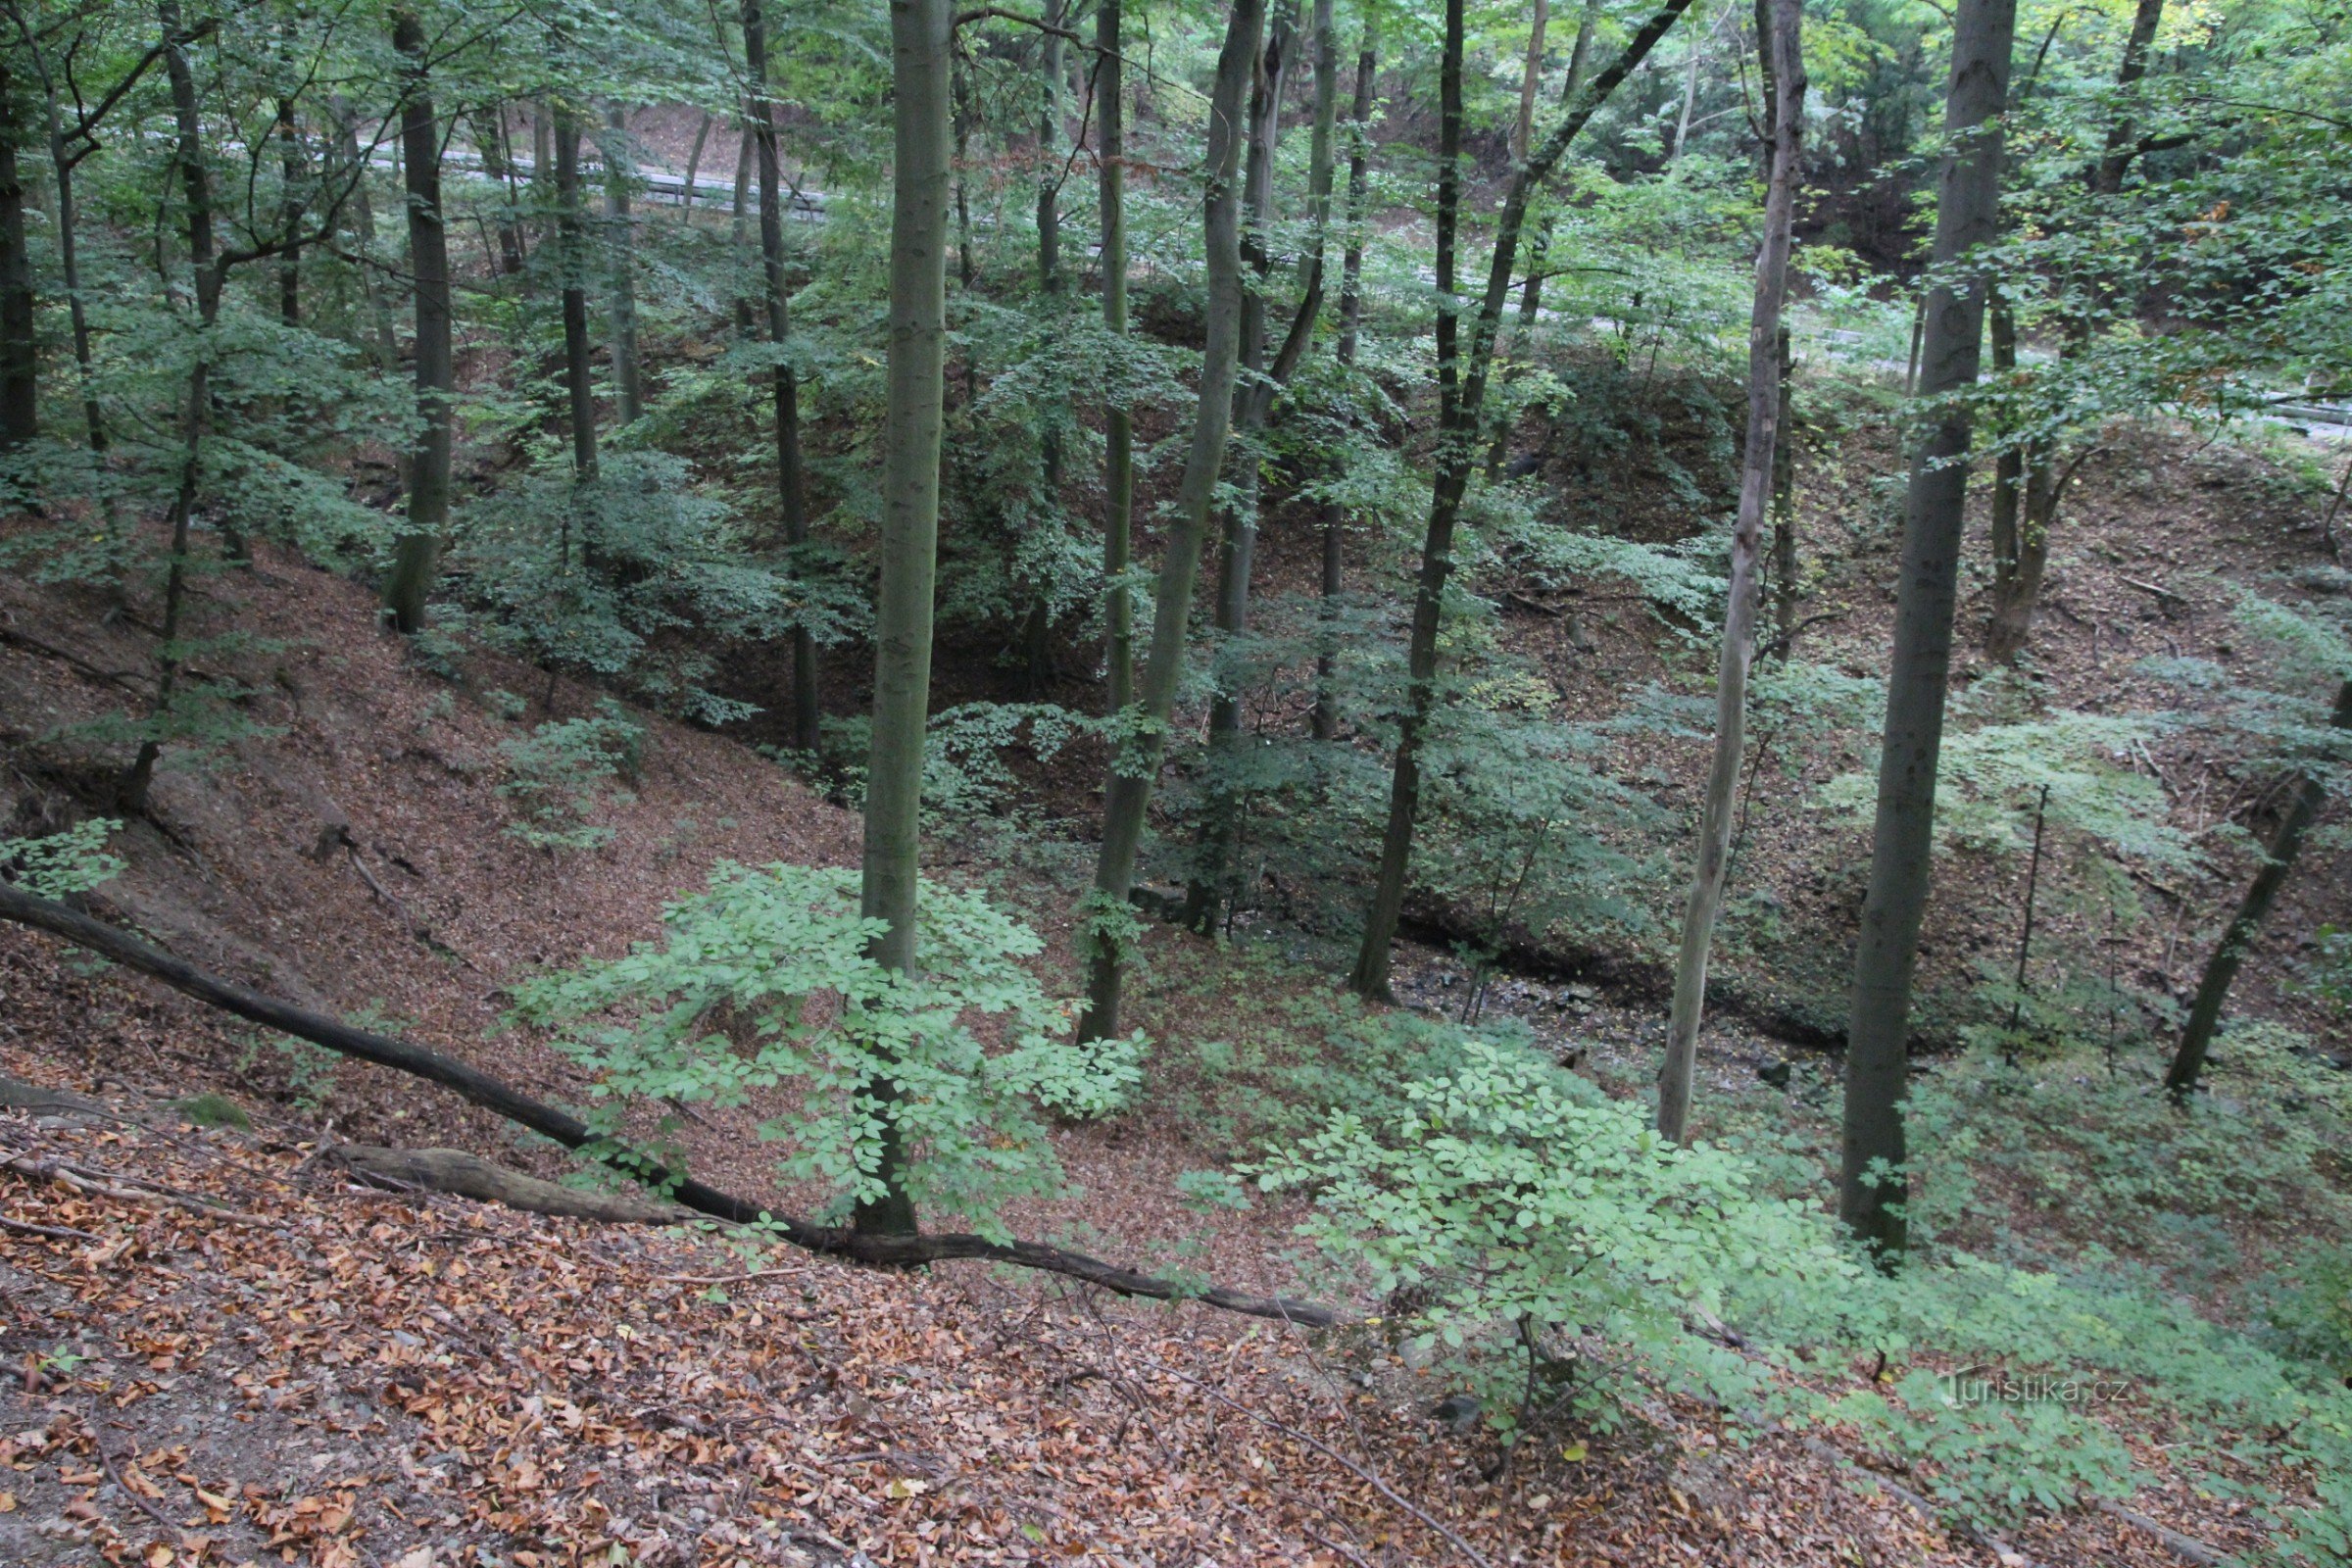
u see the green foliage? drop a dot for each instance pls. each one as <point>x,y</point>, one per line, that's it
<point>61,864</point>
<point>1517,1219</point>
<point>561,773</point>
<point>215,1110</point>
<point>764,988</point>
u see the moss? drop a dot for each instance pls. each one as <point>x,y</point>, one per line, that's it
<point>215,1110</point>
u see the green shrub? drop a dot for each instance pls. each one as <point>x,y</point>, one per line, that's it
<point>763,983</point>
<point>563,772</point>
<point>59,865</point>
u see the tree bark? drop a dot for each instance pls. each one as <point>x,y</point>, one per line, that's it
<point>20,356</point>
<point>1037,630</point>
<point>1326,721</point>
<point>363,230</point>
<point>2220,971</point>
<point>628,375</point>
<point>1766,342</point>
<point>418,552</point>
<point>1872,1188</point>
<point>921,38</point>
<point>196,186</point>
<point>792,484</point>
<point>1210,886</point>
<point>490,130</point>
<point>571,241</point>
<point>1119,422</point>
<point>68,260</point>
<point>1128,794</point>
<point>1458,426</point>
<point>1784,509</point>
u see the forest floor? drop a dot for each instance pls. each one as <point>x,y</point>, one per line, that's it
<point>224,1351</point>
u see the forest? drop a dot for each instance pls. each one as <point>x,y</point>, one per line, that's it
<point>1176,782</point>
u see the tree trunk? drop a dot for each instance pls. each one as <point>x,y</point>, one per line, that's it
<point>289,260</point>
<point>1128,794</point>
<point>196,188</point>
<point>791,484</point>
<point>572,240</point>
<point>628,377</point>
<point>68,260</point>
<point>20,353</point>
<point>1351,309</point>
<point>362,230</point>
<point>740,232</point>
<point>2220,971</point>
<point>1210,886</point>
<point>1784,509</point>
<point>1784,79</point>
<point>1037,629</point>
<point>1531,74</point>
<point>491,131</point>
<point>2116,159</point>
<point>418,550</point>
<point>1872,1188</point>
<point>1458,426</point>
<point>922,37</point>
<point>694,168</point>
<point>1119,424</point>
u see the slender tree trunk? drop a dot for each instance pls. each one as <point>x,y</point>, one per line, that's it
<point>1119,424</point>
<point>1128,795</point>
<point>739,238</point>
<point>961,90</point>
<point>1785,77</point>
<point>1037,630</point>
<point>19,355</point>
<point>543,165</point>
<point>694,168</point>
<point>628,374</point>
<point>922,37</point>
<point>1681,123</point>
<point>490,129</point>
<point>1531,77</point>
<point>1783,508</point>
<point>1210,886</point>
<point>68,260</point>
<point>1523,132</point>
<point>2034,489</point>
<point>289,166</point>
<point>571,238</point>
<point>1458,427</point>
<point>2220,971</point>
<point>418,553</point>
<point>1539,251</point>
<point>791,483</point>
<point>1872,1189</point>
<point>196,188</point>
<point>1351,309</point>
<point>362,230</point>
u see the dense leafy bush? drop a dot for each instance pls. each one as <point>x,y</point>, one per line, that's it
<point>763,984</point>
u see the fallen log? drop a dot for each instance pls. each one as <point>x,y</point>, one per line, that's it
<point>478,1087</point>
<point>464,1175</point>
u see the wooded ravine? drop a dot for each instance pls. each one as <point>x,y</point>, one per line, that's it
<point>1167,783</point>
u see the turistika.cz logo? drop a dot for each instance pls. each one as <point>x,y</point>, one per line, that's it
<point>1989,1384</point>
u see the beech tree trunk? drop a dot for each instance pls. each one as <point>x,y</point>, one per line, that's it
<point>418,552</point>
<point>1785,77</point>
<point>628,375</point>
<point>196,188</point>
<point>572,240</point>
<point>1119,424</point>
<point>1783,508</point>
<point>1037,629</point>
<point>1326,719</point>
<point>1211,886</point>
<point>1459,402</point>
<point>20,357</point>
<point>1872,1188</point>
<point>2220,971</point>
<point>921,36</point>
<point>68,261</point>
<point>490,129</point>
<point>1127,798</point>
<point>791,482</point>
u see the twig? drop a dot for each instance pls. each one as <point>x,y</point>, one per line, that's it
<point>106,1186</point>
<point>2162,593</point>
<point>1332,1455</point>
<point>113,1473</point>
<point>63,1232</point>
